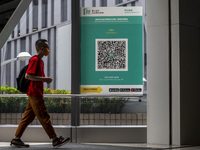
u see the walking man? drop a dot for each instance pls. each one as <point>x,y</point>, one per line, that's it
<point>36,106</point>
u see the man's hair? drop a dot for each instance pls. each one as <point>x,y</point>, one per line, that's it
<point>40,43</point>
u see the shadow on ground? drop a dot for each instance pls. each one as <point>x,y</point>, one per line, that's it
<point>75,146</point>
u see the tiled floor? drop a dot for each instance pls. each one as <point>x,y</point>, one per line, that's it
<point>148,146</point>
<point>97,146</point>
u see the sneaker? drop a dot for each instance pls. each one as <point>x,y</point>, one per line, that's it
<point>60,142</point>
<point>18,143</point>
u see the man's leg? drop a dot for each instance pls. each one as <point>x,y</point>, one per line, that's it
<point>38,106</point>
<point>27,118</point>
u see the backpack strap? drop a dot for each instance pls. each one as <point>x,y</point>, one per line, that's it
<point>37,62</point>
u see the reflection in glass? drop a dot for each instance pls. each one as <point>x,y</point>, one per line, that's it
<point>110,111</point>
<point>12,108</point>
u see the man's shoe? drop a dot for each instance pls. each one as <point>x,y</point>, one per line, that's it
<point>60,141</point>
<point>18,143</point>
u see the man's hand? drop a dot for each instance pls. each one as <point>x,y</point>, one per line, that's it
<point>48,80</point>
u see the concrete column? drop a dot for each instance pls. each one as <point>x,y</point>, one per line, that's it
<point>52,66</point>
<point>158,115</point>
<point>30,17</point>
<point>63,50</point>
<point>111,3</point>
<point>88,4</point>
<point>18,51</point>
<point>57,12</point>
<point>185,83</point>
<point>27,47</point>
<point>98,3</point>
<point>34,39</point>
<point>23,24</point>
<point>173,72</point>
<point>3,68</point>
<point>49,13</point>
<point>12,65</point>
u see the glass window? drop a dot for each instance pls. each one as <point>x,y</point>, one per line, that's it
<point>118,1</point>
<point>93,3</point>
<point>35,15</point>
<point>103,3</point>
<point>23,49</point>
<point>63,10</point>
<point>52,12</point>
<point>8,66</point>
<point>82,3</point>
<point>112,110</point>
<point>12,109</point>
<point>44,13</point>
<point>94,111</point>
<point>13,34</point>
<point>133,4</point>
<point>27,20</point>
<point>18,29</point>
<point>15,64</point>
<point>30,44</point>
<point>58,107</point>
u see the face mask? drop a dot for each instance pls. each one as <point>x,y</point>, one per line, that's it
<point>46,52</point>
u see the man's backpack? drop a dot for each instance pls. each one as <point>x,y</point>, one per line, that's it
<point>22,82</point>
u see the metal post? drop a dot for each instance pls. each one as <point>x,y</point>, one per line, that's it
<point>75,75</point>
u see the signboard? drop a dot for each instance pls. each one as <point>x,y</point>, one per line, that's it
<point>111,50</point>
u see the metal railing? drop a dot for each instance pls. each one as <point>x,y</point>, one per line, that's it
<point>93,118</point>
<point>76,95</point>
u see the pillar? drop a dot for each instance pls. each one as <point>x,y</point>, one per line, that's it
<point>173,35</point>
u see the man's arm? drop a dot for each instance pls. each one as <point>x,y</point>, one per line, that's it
<point>38,78</point>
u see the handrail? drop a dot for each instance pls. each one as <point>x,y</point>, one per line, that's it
<point>72,95</point>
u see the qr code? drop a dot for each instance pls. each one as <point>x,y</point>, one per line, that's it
<point>111,55</point>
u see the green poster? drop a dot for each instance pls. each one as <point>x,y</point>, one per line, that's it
<point>112,50</point>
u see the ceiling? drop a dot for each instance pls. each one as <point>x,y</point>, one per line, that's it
<point>7,7</point>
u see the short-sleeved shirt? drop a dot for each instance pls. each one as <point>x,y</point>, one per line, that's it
<point>36,87</point>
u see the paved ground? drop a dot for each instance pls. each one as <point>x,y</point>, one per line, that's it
<point>97,146</point>
<point>70,146</point>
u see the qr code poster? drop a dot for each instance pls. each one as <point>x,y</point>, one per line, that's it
<point>111,54</point>
<point>111,50</point>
